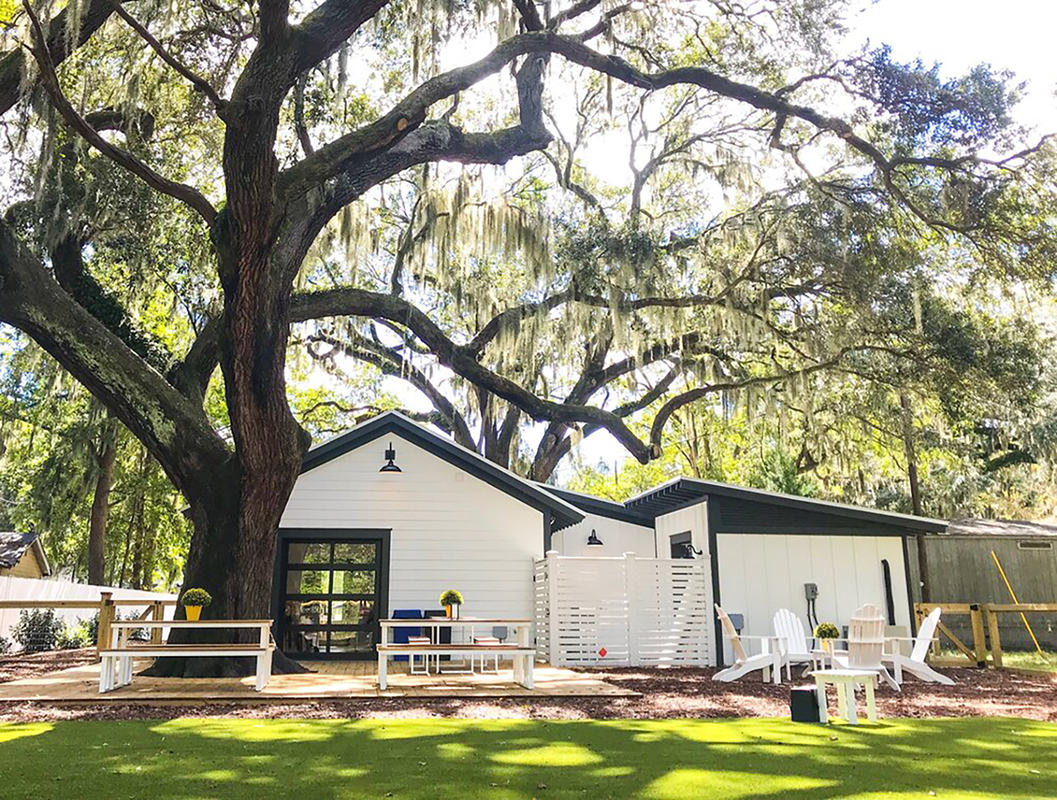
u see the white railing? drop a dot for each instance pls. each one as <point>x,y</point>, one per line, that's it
<point>624,611</point>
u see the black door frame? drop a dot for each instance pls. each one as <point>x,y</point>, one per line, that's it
<point>381,536</point>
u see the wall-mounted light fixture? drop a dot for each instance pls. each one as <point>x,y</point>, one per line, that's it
<point>692,551</point>
<point>390,455</point>
<point>593,540</point>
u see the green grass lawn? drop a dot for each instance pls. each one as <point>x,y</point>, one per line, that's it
<point>1047,662</point>
<point>712,759</point>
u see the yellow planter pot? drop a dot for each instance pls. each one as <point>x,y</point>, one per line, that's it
<point>193,612</point>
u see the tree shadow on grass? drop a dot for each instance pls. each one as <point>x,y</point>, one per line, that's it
<point>323,759</point>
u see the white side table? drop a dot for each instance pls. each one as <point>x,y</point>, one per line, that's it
<point>846,680</point>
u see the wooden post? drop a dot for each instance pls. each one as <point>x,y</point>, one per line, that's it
<point>106,610</point>
<point>158,615</point>
<point>979,640</point>
<point>996,637</point>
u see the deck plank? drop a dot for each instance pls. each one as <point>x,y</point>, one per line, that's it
<point>338,680</point>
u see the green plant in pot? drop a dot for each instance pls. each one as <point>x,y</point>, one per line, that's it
<point>827,633</point>
<point>451,600</point>
<point>194,600</point>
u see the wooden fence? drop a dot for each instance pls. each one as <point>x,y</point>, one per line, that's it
<point>626,611</point>
<point>983,622</point>
<point>107,608</point>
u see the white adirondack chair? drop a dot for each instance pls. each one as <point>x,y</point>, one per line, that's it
<point>866,642</point>
<point>769,662</point>
<point>915,662</point>
<point>790,628</point>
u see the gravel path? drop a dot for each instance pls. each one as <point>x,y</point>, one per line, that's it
<point>665,694</point>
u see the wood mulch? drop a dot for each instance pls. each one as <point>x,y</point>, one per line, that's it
<point>665,693</point>
<point>32,665</point>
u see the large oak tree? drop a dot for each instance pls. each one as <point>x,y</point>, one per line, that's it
<point>910,147</point>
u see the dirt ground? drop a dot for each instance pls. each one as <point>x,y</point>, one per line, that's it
<point>14,667</point>
<point>664,693</point>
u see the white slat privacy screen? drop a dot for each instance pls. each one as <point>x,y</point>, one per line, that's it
<point>624,611</point>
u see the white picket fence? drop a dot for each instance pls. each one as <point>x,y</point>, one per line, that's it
<point>624,611</point>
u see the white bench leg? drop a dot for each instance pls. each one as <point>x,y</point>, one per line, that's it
<point>126,670</point>
<point>105,668</point>
<point>382,682</point>
<point>527,672</point>
<point>264,670</point>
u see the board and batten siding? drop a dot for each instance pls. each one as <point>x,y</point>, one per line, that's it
<point>761,573</point>
<point>450,530</point>
<point>693,519</point>
<point>618,537</point>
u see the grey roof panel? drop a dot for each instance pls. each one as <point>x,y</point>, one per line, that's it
<point>1001,528</point>
<point>13,546</point>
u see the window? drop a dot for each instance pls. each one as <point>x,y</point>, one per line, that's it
<point>682,545</point>
<point>1035,545</point>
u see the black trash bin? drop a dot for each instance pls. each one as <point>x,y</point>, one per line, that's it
<point>803,704</point>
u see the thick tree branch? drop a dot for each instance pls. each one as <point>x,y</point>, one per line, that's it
<point>174,429</point>
<point>329,26</point>
<point>358,302</point>
<point>343,153</point>
<point>186,194</point>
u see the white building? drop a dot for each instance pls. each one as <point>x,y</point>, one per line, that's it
<point>360,541</point>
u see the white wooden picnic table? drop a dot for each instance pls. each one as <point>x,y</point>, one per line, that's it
<point>116,660</point>
<point>523,653</point>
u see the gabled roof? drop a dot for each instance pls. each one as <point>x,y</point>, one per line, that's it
<point>680,492</point>
<point>563,514</point>
<point>13,546</point>
<point>1021,529</point>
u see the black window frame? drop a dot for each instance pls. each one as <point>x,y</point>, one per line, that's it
<point>287,536</point>
<point>685,539</point>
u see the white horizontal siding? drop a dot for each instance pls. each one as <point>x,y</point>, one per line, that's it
<point>618,537</point>
<point>449,529</point>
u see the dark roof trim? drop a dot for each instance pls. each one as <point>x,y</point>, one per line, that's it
<point>683,492</point>
<point>601,507</point>
<point>393,422</point>
<point>13,546</point>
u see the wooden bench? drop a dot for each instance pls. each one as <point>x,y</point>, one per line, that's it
<point>523,656</point>
<point>116,666</point>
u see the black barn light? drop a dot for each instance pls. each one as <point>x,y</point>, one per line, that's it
<point>390,455</point>
<point>593,540</point>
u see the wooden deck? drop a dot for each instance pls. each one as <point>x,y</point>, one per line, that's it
<point>332,680</point>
